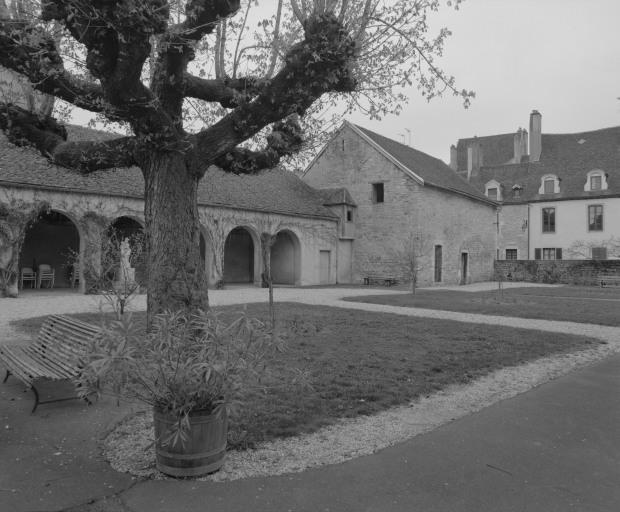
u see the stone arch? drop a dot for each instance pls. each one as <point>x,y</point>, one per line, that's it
<point>53,239</point>
<point>286,258</point>
<point>241,256</point>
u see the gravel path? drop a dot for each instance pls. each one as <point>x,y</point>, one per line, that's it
<point>351,437</point>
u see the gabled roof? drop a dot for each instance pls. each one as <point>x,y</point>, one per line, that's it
<point>276,191</point>
<point>425,168</point>
<point>569,157</point>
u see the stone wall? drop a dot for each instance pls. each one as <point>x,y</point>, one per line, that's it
<point>513,230</point>
<point>436,216</point>
<point>92,214</point>
<point>557,271</point>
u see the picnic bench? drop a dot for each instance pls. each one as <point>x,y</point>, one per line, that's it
<point>376,278</point>
<point>609,279</point>
<point>52,356</point>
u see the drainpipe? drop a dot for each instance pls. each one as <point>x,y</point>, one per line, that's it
<point>528,231</point>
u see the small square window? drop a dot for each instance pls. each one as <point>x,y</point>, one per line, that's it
<point>511,254</point>
<point>377,193</point>
<point>492,193</point>
<point>549,186</point>
<point>595,182</point>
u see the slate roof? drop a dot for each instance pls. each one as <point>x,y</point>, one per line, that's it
<point>496,149</point>
<point>432,170</point>
<point>568,156</point>
<point>275,190</point>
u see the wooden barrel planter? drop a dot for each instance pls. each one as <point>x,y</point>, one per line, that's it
<point>204,450</point>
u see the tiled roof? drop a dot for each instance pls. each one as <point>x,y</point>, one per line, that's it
<point>568,156</point>
<point>432,170</point>
<point>496,149</point>
<point>333,196</point>
<point>275,190</point>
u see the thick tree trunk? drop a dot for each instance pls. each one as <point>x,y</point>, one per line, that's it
<point>176,277</point>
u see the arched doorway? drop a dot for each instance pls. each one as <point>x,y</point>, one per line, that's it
<point>286,258</point>
<point>239,258</point>
<point>128,228</point>
<point>54,240</point>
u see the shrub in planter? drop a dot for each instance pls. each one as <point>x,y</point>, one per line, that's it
<point>192,369</point>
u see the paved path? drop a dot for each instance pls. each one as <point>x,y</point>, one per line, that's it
<point>554,448</point>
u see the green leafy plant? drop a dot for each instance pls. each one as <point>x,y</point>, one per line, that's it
<point>187,362</point>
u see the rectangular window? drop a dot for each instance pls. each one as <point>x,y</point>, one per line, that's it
<point>595,217</point>
<point>599,253</point>
<point>492,193</point>
<point>511,254</point>
<point>349,216</point>
<point>551,253</point>
<point>595,183</point>
<point>537,253</point>
<point>549,186</point>
<point>548,220</point>
<point>377,193</point>
<point>438,263</point>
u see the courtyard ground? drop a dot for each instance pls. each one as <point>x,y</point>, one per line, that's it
<point>410,473</point>
<point>584,304</point>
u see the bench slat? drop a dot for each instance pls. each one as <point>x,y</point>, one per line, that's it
<point>53,354</point>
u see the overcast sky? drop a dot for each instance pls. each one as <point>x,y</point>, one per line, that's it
<point>560,57</point>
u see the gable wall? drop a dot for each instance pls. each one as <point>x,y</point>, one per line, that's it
<point>381,230</point>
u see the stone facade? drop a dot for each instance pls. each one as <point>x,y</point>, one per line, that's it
<point>439,217</point>
<point>300,250</point>
<point>513,231</point>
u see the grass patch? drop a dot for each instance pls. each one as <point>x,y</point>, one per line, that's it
<point>361,363</point>
<point>568,303</point>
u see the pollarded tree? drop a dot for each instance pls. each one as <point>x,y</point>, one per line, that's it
<point>147,63</point>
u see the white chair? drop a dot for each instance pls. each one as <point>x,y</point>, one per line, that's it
<point>75,276</point>
<point>46,273</point>
<point>28,275</point>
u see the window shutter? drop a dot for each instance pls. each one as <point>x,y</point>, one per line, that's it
<point>558,253</point>
<point>537,253</point>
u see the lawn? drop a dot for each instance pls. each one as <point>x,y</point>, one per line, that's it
<point>582,304</point>
<point>361,363</point>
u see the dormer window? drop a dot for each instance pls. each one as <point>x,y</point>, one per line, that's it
<point>493,190</point>
<point>549,184</point>
<point>516,190</point>
<point>595,181</point>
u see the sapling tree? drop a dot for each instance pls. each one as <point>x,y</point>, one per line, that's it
<point>191,83</point>
<point>415,256</point>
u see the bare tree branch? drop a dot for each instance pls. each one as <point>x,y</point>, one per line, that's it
<point>285,139</point>
<point>24,128</point>
<point>229,92</point>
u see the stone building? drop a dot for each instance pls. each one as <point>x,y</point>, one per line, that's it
<point>235,211</point>
<point>559,197</point>
<point>401,200</point>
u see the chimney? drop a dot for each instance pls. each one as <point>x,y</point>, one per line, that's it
<point>474,158</point>
<point>535,136</point>
<point>453,158</point>
<point>520,145</point>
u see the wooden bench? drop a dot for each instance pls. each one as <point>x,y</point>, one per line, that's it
<point>609,279</point>
<point>53,356</point>
<point>380,279</point>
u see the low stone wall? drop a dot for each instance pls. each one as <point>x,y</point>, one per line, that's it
<point>556,271</point>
